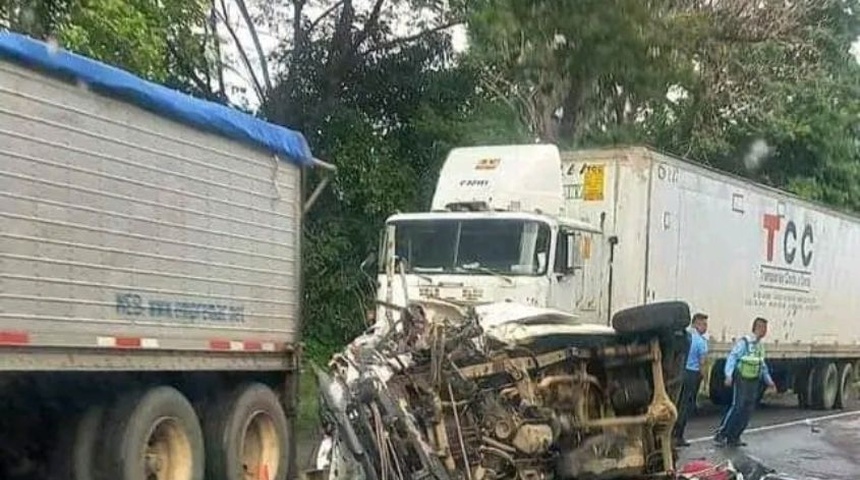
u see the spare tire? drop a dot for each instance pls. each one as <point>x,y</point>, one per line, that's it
<point>662,316</point>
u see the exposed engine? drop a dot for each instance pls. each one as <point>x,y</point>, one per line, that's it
<point>446,395</point>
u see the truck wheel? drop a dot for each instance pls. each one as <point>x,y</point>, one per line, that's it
<point>825,386</point>
<point>73,456</point>
<point>803,387</point>
<point>153,435</point>
<point>246,435</point>
<point>847,392</point>
<point>652,318</point>
<point>717,391</point>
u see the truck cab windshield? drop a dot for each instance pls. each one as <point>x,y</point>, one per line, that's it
<point>473,246</point>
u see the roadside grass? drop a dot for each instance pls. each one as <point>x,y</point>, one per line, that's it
<point>307,417</point>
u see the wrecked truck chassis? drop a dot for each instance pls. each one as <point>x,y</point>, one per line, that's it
<point>454,402</point>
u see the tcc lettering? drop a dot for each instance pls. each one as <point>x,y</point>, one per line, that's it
<point>773,225</point>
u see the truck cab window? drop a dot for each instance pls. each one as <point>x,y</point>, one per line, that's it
<point>509,246</point>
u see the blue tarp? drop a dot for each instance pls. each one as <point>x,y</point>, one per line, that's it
<point>184,108</point>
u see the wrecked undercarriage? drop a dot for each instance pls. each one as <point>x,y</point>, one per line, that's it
<point>503,391</point>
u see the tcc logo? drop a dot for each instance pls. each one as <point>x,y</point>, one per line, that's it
<point>791,245</point>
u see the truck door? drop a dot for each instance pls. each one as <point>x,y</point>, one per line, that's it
<point>566,281</point>
<point>661,264</point>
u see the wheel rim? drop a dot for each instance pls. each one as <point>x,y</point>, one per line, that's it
<point>261,448</point>
<point>810,387</point>
<point>848,389</point>
<point>168,453</point>
<point>831,385</point>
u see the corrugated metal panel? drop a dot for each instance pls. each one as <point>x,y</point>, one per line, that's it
<point>705,239</point>
<point>118,222</point>
<point>617,199</point>
<point>804,286</point>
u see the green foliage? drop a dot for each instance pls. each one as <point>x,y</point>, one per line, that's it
<point>35,17</point>
<point>595,59</point>
<point>163,42</point>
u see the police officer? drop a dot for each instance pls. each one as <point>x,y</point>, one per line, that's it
<point>692,376</point>
<point>745,370</point>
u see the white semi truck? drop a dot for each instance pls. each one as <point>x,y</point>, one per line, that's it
<point>593,232</point>
<point>149,278</point>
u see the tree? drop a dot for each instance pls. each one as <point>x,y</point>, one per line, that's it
<point>35,17</point>
<point>168,43</point>
<point>570,68</point>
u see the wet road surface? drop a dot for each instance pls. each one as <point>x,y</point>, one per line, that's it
<point>777,410</point>
<point>825,447</point>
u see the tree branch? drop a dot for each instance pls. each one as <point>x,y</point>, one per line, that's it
<point>255,37</point>
<point>189,72</point>
<point>242,53</point>
<point>369,26</point>
<point>219,62</point>
<point>411,38</point>
<point>322,16</point>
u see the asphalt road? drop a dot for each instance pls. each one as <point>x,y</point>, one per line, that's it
<point>776,410</point>
<point>806,445</point>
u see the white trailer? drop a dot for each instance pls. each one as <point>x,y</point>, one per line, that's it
<point>149,277</point>
<point>731,248</point>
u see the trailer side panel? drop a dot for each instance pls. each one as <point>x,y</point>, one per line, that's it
<point>126,231</point>
<point>746,251</point>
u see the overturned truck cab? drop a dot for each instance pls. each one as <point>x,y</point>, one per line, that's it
<point>505,391</point>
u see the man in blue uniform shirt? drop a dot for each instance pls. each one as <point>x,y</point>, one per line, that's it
<point>745,370</point>
<point>692,376</point>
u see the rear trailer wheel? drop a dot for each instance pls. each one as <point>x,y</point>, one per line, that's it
<point>654,317</point>
<point>802,387</point>
<point>154,436</point>
<point>73,456</point>
<point>718,393</point>
<point>246,436</point>
<point>825,386</point>
<point>847,395</point>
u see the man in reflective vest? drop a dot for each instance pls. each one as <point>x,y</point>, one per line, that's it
<point>745,370</point>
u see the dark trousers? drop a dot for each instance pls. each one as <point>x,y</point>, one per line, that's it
<point>687,400</point>
<point>744,399</point>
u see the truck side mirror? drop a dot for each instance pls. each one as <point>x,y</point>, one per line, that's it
<point>570,245</point>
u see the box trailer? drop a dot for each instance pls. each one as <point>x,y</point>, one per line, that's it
<point>735,250</point>
<point>149,277</point>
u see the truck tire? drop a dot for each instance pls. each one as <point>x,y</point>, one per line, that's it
<point>847,394</point>
<point>73,456</point>
<point>654,317</point>
<point>717,391</point>
<point>153,434</point>
<point>825,386</point>
<point>246,435</point>
<point>803,387</point>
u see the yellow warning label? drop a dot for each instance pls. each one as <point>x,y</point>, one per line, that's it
<point>592,189</point>
<point>487,163</point>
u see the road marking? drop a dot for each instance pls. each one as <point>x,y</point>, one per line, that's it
<point>802,421</point>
